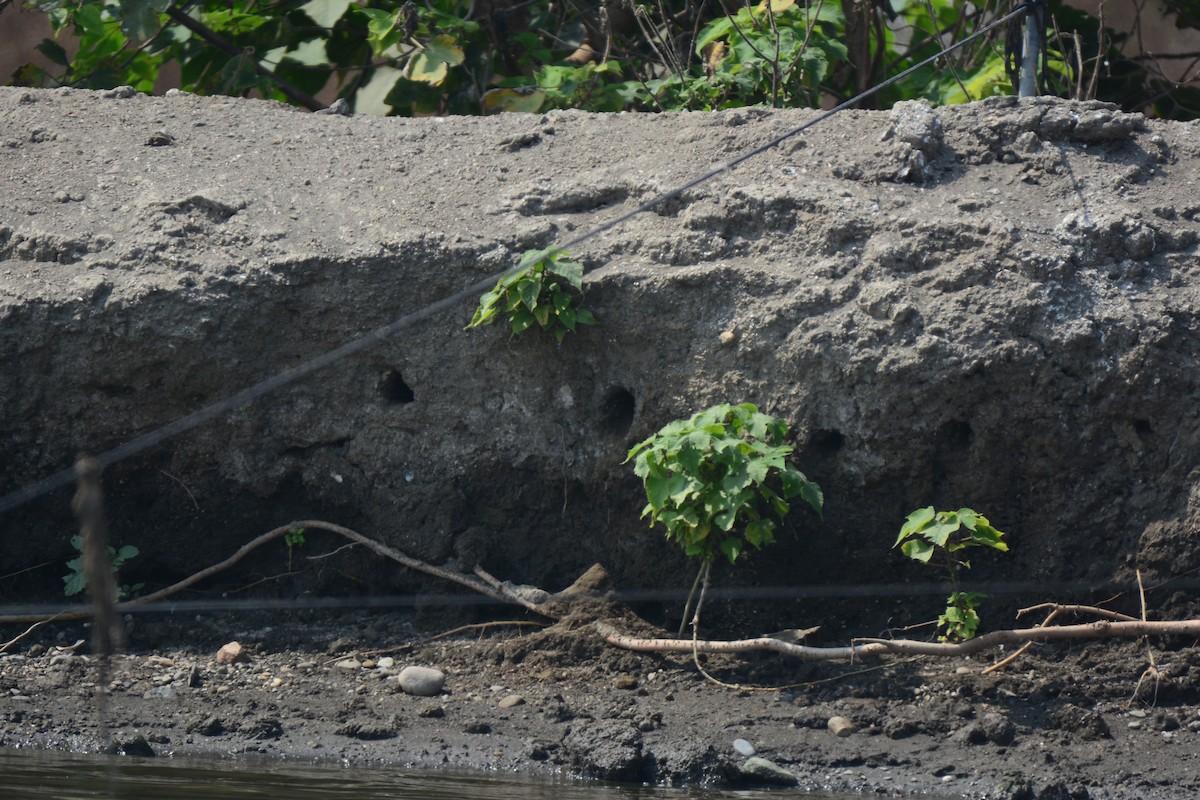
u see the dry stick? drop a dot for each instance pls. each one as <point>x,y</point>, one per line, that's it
<point>499,589</point>
<point>483,626</point>
<point>874,647</point>
<point>4,647</point>
<point>1055,610</point>
<point>1152,670</point>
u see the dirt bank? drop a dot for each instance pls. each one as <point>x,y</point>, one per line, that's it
<point>992,305</point>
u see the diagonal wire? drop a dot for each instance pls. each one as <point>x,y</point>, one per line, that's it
<point>248,395</point>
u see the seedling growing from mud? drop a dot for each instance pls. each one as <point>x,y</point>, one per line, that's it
<point>940,538</point>
<point>546,294</point>
<point>75,581</point>
<point>718,482</point>
<point>293,539</point>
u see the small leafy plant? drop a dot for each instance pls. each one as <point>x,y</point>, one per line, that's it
<point>718,482</point>
<point>76,580</point>
<point>546,294</point>
<point>940,538</point>
<point>293,539</point>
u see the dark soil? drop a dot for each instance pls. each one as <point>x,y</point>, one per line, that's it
<point>1079,720</point>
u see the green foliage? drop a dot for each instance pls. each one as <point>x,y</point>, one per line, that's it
<point>546,294</point>
<point>941,538</point>
<point>293,539</point>
<point>76,580</point>
<point>927,533</point>
<point>960,619</point>
<point>719,480</point>
<point>449,56</point>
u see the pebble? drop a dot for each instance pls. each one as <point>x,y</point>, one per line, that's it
<point>761,770</point>
<point>232,653</point>
<point>511,701</point>
<point>387,662</point>
<point>422,681</point>
<point>840,727</point>
<point>744,747</point>
<point>625,682</point>
<point>349,663</point>
<point>727,337</point>
<point>369,663</point>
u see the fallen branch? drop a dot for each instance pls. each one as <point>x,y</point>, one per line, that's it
<point>377,547</point>
<point>1103,629</point>
<point>1055,610</point>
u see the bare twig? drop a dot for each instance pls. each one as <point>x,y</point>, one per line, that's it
<point>4,647</point>
<point>1055,610</point>
<point>1152,672</point>
<point>483,626</point>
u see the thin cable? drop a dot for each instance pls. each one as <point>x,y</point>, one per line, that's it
<point>247,396</point>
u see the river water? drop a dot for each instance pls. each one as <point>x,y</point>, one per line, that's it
<point>35,775</point>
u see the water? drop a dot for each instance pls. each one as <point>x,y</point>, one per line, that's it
<point>33,775</point>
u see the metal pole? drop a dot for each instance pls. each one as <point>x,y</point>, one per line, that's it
<point>1031,52</point>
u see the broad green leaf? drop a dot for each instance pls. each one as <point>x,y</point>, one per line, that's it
<point>542,315</point>
<point>311,53</point>
<point>918,550</point>
<point>142,19</point>
<point>732,548</point>
<point>915,522</point>
<point>529,291</point>
<point>811,494</point>
<point>940,531</point>
<point>515,100</point>
<point>584,317</point>
<point>431,64</point>
<point>326,12</point>
<point>567,317</point>
<point>760,532</point>
<point>521,321</point>
<point>372,98</point>
<point>570,271</point>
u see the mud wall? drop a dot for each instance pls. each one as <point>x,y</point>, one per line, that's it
<point>992,305</point>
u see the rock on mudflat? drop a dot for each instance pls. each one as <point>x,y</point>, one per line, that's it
<point>232,653</point>
<point>840,727</point>
<point>760,770</point>
<point>422,681</point>
<point>744,747</point>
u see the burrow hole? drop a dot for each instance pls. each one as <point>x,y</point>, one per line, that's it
<point>393,389</point>
<point>827,443</point>
<point>617,411</point>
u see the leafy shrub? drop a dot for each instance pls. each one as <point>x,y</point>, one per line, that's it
<point>76,580</point>
<point>546,293</point>
<point>456,56</point>
<point>718,481</point>
<point>941,538</point>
